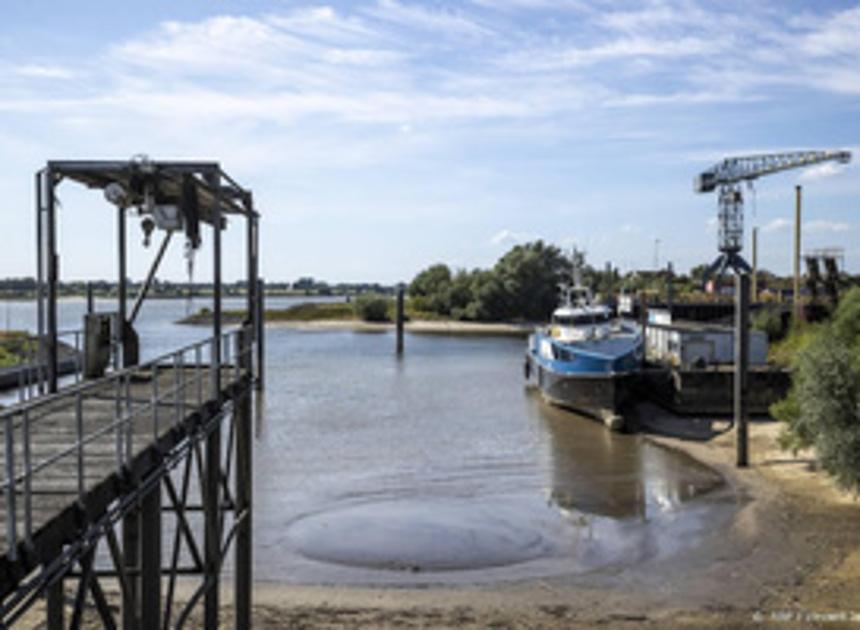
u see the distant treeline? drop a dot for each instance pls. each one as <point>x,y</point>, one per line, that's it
<point>522,285</point>
<point>26,288</point>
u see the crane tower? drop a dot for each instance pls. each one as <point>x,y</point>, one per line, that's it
<point>728,176</point>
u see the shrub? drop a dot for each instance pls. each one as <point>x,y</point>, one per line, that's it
<point>769,321</point>
<point>371,307</point>
<point>822,409</point>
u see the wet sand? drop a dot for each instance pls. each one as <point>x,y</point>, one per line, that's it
<point>789,558</point>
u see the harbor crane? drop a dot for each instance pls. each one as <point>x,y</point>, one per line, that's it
<point>728,176</point>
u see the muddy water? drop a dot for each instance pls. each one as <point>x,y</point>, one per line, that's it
<point>441,467</point>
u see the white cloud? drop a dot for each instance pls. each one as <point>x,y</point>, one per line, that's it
<point>416,16</point>
<point>778,225</point>
<point>823,226</point>
<point>821,171</point>
<point>44,72</point>
<point>508,236</point>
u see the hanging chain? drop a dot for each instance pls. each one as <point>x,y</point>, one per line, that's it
<point>189,260</point>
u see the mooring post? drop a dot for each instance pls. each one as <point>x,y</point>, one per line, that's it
<point>742,304</point>
<point>400,318</point>
<point>244,436</point>
<point>90,300</point>
<point>150,560</point>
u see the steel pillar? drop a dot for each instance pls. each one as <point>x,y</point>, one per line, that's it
<point>40,277</point>
<point>742,335</point>
<point>211,498</point>
<point>121,287</point>
<point>261,336</point>
<point>244,466</point>
<point>130,558</point>
<point>150,559</point>
<point>52,263</point>
<point>798,305</point>
<point>55,606</point>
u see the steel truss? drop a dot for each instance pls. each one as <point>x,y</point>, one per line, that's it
<point>170,437</point>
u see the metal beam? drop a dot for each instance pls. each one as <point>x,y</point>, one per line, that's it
<point>211,490</point>
<point>742,335</point>
<point>150,561</point>
<point>244,467</point>
<point>144,290</point>
<point>121,287</point>
<point>798,306</point>
<point>52,262</point>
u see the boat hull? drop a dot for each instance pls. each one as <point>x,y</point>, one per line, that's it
<point>602,396</point>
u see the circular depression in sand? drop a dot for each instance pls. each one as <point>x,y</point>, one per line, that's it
<point>420,536</point>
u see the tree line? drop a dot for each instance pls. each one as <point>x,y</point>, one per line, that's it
<point>522,285</point>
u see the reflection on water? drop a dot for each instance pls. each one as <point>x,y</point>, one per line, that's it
<point>440,463</point>
<point>599,472</point>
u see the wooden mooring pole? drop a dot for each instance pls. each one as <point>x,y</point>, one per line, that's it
<point>400,318</point>
<point>742,306</point>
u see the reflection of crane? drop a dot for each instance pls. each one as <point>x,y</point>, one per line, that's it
<point>728,175</point>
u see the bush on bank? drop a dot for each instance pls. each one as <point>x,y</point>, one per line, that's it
<point>822,409</point>
<point>371,307</point>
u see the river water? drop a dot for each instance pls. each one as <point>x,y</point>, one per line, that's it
<point>438,467</point>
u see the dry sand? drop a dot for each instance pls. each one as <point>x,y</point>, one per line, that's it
<point>790,558</point>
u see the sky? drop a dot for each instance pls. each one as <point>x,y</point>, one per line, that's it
<point>383,136</point>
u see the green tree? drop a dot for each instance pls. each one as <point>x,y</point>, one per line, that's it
<point>530,275</point>
<point>430,289</point>
<point>823,407</point>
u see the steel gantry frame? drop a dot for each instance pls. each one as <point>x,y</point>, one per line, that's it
<point>173,435</point>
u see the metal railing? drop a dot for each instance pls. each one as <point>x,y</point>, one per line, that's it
<point>65,433</point>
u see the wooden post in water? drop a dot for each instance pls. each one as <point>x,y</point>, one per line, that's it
<point>90,300</point>
<point>400,320</point>
<point>742,332</point>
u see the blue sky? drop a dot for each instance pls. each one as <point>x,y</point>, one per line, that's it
<point>383,136</point>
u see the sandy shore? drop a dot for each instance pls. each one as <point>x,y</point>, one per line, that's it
<point>417,326</point>
<point>789,557</point>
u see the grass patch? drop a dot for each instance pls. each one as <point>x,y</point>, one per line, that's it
<point>315,312</point>
<point>312,312</point>
<point>14,346</point>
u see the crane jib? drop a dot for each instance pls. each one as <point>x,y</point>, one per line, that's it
<point>737,169</point>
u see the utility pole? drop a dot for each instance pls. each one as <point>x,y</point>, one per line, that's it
<point>797,304</point>
<point>754,279</point>
<point>742,342</point>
